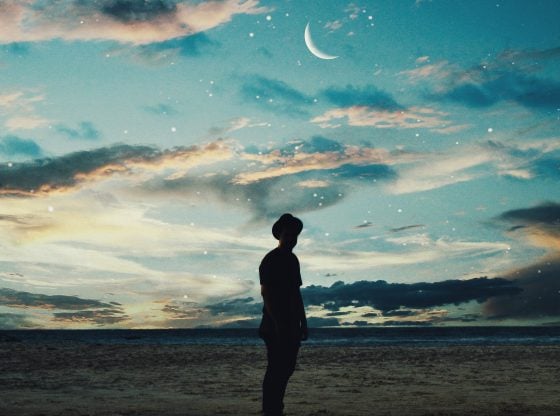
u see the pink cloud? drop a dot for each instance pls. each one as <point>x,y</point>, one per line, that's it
<point>34,21</point>
<point>413,117</point>
<point>439,70</point>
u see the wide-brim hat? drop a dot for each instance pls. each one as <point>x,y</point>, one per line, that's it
<point>286,220</point>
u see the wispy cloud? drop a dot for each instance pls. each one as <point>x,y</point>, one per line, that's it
<point>166,52</point>
<point>520,160</point>
<point>509,77</point>
<point>19,109</point>
<point>65,172</point>
<point>366,96</point>
<point>28,122</point>
<point>161,109</point>
<point>267,182</point>
<point>274,95</point>
<point>367,106</point>
<point>336,160</point>
<point>85,131</point>
<point>363,116</point>
<point>419,249</point>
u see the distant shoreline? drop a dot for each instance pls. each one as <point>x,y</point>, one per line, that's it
<point>366,336</point>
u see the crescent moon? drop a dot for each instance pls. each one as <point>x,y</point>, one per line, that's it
<point>312,48</point>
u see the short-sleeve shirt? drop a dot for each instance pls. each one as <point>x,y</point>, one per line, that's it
<point>279,272</point>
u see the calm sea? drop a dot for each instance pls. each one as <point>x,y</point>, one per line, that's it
<point>394,336</point>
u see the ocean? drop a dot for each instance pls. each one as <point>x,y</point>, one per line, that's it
<point>387,336</point>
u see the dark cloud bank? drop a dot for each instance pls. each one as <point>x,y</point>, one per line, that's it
<point>74,309</point>
<point>540,281</point>
<point>389,297</point>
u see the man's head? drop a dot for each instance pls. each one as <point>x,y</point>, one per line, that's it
<point>286,230</point>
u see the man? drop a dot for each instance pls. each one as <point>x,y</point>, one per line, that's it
<point>284,324</point>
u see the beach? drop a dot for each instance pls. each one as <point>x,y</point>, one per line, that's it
<point>101,380</point>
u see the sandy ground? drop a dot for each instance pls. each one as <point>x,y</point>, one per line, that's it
<point>78,379</point>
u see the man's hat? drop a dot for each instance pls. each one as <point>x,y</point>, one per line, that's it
<point>286,220</point>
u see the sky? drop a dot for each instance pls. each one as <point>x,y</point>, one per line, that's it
<point>147,147</point>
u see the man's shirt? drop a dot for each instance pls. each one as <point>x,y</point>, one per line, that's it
<point>280,274</point>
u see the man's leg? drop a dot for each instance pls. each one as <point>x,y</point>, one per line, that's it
<point>273,380</point>
<point>289,358</point>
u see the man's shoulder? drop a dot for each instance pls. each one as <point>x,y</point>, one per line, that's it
<point>270,255</point>
<point>278,253</point>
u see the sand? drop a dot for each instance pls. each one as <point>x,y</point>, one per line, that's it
<point>81,379</point>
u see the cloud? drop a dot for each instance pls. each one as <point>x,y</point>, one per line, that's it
<point>81,310</point>
<point>85,131</point>
<point>520,160</point>
<point>100,317</point>
<point>438,71</point>
<point>28,122</point>
<point>122,21</point>
<point>320,155</point>
<point>540,295</point>
<point>161,109</point>
<point>13,146</point>
<point>364,116</point>
<point>354,11</point>
<point>420,249</point>
<point>507,78</point>
<point>367,96</point>
<point>540,225</point>
<point>334,25</point>
<point>165,52</point>
<point>545,215</point>
<point>20,101</point>
<point>527,91</point>
<point>368,106</point>
<point>130,11</point>
<point>406,227</point>
<point>239,306</point>
<point>184,310</point>
<point>15,321</point>
<point>58,174</point>
<point>236,124</point>
<point>266,183</point>
<point>438,170</point>
<point>273,95</point>
<point>319,322</point>
<point>391,296</point>
<point>265,199</point>
<point>231,313</point>
<point>286,179</point>
<point>18,299</point>
<point>18,108</point>
<point>18,49</point>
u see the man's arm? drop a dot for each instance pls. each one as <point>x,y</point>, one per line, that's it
<point>302,317</point>
<point>268,305</point>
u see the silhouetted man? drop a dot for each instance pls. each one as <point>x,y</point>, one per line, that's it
<point>283,324</point>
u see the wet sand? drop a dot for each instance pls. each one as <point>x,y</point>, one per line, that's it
<point>95,380</point>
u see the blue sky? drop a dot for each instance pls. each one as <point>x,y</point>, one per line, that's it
<point>146,148</point>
